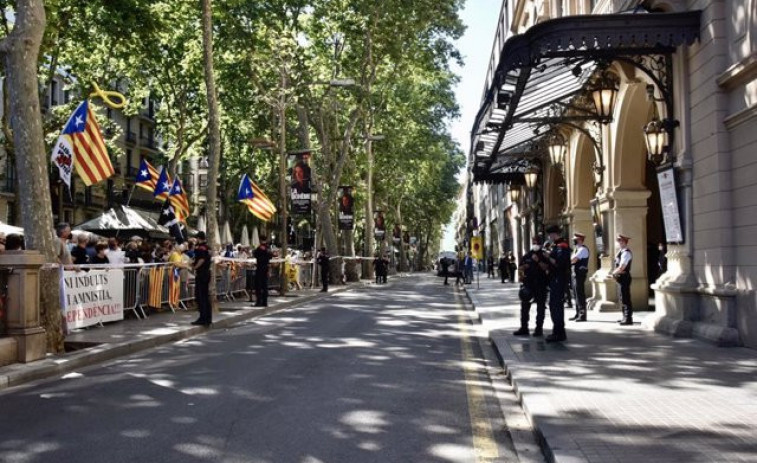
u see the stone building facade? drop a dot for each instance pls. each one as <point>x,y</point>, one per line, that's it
<point>692,65</point>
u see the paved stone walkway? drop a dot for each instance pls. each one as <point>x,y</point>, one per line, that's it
<point>624,394</point>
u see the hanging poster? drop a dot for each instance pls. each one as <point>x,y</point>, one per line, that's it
<point>346,212</point>
<point>92,297</point>
<point>379,226</point>
<point>669,202</point>
<point>299,172</point>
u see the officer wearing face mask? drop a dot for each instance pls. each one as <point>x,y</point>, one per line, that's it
<point>558,270</point>
<point>533,278</point>
<point>622,275</point>
<point>580,263</point>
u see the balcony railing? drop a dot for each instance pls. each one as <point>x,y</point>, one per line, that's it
<point>149,142</point>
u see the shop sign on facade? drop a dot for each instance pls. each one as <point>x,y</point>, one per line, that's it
<point>669,201</point>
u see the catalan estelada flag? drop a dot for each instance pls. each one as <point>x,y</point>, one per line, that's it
<point>81,143</point>
<point>147,176</point>
<point>174,287</point>
<point>256,201</point>
<point>154,299</point>
<point>179,200</point>
<point>163,186</point>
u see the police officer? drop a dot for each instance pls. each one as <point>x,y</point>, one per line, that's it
<point>580,262</point>
<point>262,257</point>
<point>559,271</point>
<point>533,279</point>
<point>622,275</point>
<point>201,268</point>
<point>323,262</point>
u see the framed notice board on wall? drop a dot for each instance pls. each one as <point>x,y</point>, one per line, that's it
<point>669,202</point>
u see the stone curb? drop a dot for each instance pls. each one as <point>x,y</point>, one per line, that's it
<point>57,365</point>
<point>529,404</point>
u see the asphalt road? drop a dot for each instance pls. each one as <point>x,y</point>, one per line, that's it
<point>382,374</point>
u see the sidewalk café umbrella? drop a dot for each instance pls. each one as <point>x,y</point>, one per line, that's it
<point>245,239</point>
<point>201,224</point>
<point>10,229</point>
<point>227,238</point>
<point>125,221</point>
<point>218,236</point>
<point>255,239</point>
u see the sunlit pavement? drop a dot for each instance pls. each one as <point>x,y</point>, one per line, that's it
<point>384,374</point>
<point>624,394</point>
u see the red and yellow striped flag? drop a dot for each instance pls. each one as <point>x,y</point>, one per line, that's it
<point>174,287</point>
<point>155,298</point>
<point>82,134</point>
<point>256,201</point>
<point>179,200</point>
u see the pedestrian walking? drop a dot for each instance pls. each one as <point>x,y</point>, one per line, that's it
<point>201,267</point>
<point>490,267</point>
<point>445,269</point>
<point>558,269</point>
<point>533,287</point>
<point>323,262</point>
<point>622,275</point>
<point>378,268</point>
<point>504,268</point>
<point>512,265</point>
<point>580,263</point>
<point>262,256</point>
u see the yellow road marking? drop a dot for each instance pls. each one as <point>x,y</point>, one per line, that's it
<point>484,445</point>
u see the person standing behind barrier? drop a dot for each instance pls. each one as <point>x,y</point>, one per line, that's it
<point>79,253</point>
<point>100,257</point>
<point>201,267</point>
<point>323,262</point>
<point>533,279</point>
<point>63,232</point>
<point>580,262</point>
<point>262,256</point>
<point>558,268</point>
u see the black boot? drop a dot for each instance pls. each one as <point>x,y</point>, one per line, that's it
<point>523,331</point>
<point>538,332</point>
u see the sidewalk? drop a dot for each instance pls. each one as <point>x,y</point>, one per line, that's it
<point>98,344</point>
<point>624,394</point>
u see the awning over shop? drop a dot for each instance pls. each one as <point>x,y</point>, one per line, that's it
<point>537,79</point>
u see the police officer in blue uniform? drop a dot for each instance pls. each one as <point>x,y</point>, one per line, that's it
<point>558,271</point>
<point>580,262</point>
<point>533,278</point>
<point>622,275</point>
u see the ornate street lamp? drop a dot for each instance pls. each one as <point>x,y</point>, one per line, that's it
<point>514,194</point>
<point>656,137</point>
<point>531,177</point>
<point>557,148</point>
<point>604,92</point>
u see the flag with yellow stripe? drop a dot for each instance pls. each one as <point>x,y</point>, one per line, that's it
<point>256,201</point>
<point>83,137</point>
<point>155,297</point>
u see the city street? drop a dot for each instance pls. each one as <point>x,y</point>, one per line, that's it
<point>388,374</point>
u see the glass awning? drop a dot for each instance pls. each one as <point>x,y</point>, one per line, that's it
<point>541,74</point>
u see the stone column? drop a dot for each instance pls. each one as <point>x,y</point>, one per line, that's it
<point>22,304</point>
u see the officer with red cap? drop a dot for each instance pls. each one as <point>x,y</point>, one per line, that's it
<point>622,274</point>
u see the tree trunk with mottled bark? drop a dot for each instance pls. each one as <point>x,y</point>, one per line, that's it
<point>21,53</point>
<point>214,138</point>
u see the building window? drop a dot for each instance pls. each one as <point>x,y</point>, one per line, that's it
<point>128,162</point>
<point>68,216</point>
<point>203,182</point>
<point>10,218</point>
<point>66,96</point>
<point>54,93</point>
<point>110,114</point>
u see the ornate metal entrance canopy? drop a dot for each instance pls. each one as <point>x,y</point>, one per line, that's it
<point>537,79</point>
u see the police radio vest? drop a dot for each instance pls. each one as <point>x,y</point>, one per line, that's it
<point>630,261</point>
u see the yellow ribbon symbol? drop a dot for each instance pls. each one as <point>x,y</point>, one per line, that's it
<point>108,97</point>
